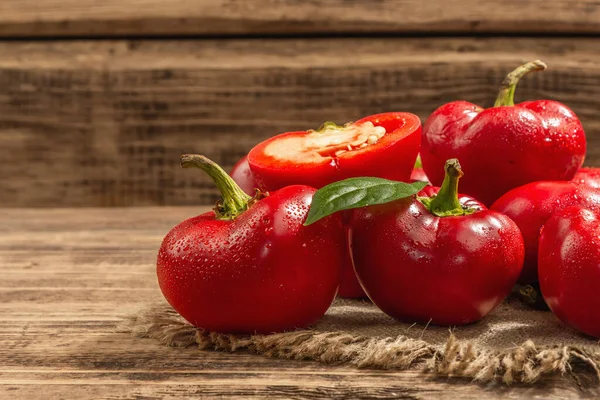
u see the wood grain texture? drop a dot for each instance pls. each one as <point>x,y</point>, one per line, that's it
<point>70,275</point>
<point>219,17</point>
<point>103,123</point>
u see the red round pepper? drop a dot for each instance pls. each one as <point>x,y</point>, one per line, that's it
<point>516,144</point>
<point>382,145</point>
<point>569,269</point>
<point>589,177</point>
<point>444,259</point>
<point>242,175</point>
<point>531,205</point>
<point>251,266</point>
<point>349,285</point>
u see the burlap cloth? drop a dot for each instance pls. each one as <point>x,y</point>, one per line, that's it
<point>515,343</point>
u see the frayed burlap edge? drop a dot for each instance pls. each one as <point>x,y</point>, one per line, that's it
<point>522,364</point>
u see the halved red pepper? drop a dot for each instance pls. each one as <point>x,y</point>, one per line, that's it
<point>381,145</point>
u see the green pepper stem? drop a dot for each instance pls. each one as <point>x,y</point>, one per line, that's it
<point>446,202</point>
<point>447,198</point>
<point>234,201</point>
<point>418,163</point>
<point>506,96</point>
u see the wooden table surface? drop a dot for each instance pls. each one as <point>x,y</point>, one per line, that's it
<point>70,275</point>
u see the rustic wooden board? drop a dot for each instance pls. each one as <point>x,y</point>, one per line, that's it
<point>214,17</point>
<point>103,123</point>
<point>70,275</point>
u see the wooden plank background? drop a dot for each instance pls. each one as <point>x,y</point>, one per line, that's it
<point>101,123</point>
<point>241,17</point>
<point>90,121</point>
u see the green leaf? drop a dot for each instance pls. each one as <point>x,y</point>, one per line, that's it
<point>357,192</point>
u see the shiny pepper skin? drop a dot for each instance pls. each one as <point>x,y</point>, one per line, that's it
<point>589,177</point>
<point>447,270</point>
<point>349,285</point>
<point>569,268</point>
<point>531,205</point>
<point>515,143</point>
<point>261,271</point>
